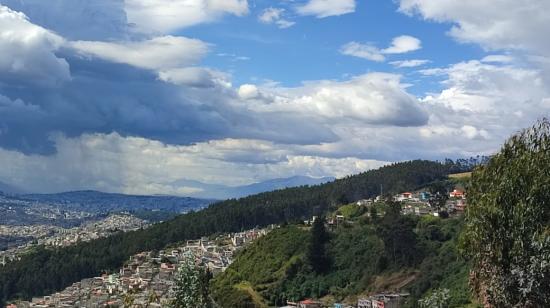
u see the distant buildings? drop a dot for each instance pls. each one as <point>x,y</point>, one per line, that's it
<point>148,278</point>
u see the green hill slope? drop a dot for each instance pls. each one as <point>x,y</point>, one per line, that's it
<point>364,260</point>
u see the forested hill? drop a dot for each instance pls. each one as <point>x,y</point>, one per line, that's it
<point>47,270</point>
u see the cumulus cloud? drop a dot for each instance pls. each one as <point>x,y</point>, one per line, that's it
<point>326,8</point>
<point>403,44</point>
<point>166,16</point>
<point>400,44</point>
<point>483,103</point>
<point>159,53</point>
<point>505,24</point>
<point>275,16</point>
<point>29,52</point>
<point>409,63</point>
<point>248,91</point>
<point>375,98</point>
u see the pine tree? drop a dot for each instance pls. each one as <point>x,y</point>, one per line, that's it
<point>316,253</point>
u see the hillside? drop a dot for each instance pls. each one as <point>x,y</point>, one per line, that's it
<point>393,253</point>
<point>46,271</point>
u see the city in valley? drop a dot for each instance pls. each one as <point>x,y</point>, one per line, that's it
<point>148,279</point>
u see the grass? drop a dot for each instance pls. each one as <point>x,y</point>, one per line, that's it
<point>464,175</point>
<point>256,298</point>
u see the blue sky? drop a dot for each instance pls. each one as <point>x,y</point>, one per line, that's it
<point>133,95</point>
<point>309,50</point>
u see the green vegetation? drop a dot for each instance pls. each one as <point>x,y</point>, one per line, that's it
<point>508,223</point>
<point>48,270</point>
<point>192,283</point>
<point>351,211</point>
<point>394,252</point>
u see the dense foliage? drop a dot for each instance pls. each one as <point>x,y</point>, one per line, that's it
<point>47,270</point>
<point>419,255</point>
<point>508,223</point>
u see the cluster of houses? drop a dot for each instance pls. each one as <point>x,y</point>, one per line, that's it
<point>383,300</point>
<point>148,279</point>
<point>52,236</point>
<point>419,203</point>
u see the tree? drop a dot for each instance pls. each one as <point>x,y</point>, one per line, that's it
<point>191,290</point>
<point>397,233</point>
<point>507,234</point>
<point>316,253</point>
<point>373,213</point>
<point>436,299</point>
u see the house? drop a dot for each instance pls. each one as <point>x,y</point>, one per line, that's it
<point>309,303</point>
<point>403,196</point>
<point>364,202</point>
<point>457,193</point>
<point>364,303</point>
<point>378,303</point>
<point>424,196</point>
<point>388,300</point>
<point>460,205</point>
<point>406,196</point>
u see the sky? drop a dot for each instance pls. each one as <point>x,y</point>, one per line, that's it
<point>133,96</point>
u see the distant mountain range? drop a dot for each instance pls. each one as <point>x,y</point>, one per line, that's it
<point>206,194</point>
<point>221,192</point>
<point>100,202</point>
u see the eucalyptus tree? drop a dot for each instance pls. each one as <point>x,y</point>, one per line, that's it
<point>507,235</point>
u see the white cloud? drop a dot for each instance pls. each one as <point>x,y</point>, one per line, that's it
<point>198,77</point>
<point>375,98</point>
<point>503,24</point>
<point>326,8</point>
<point>484,103</point>
<point>403,44</point>
<point>364,51</point>
<point>166,16</point>
<point>248,91</point>
<point>497,59</point>
<point>159,53</point>
<point>400,44</point>
<point>409,63</point>
<point>28,51</point>
<point>275,16</point>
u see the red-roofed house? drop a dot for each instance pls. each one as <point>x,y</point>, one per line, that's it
<point>457,194</point>
<point>309,303</point>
